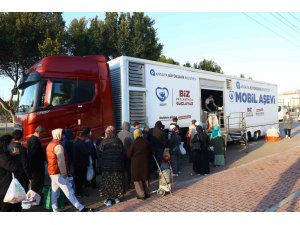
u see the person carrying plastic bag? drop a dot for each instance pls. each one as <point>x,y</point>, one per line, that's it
<point>7,166</point>
<point>57,170</point>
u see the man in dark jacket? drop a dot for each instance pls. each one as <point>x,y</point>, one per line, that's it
<point>80,162</point>
<point>7,166</point>
<point>36,159</point>
<point>21,158</point>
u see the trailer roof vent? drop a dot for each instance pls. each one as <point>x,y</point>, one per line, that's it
<point>136,74</point>
<point>228,84</point>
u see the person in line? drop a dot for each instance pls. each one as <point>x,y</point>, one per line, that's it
<point>126,137</point>
<point>174,150</point>
<point>37,160</point>
<point>80,162</point>
<point>93,153</point>
<point>57,170</point>
<point>136,125</point>
<point>67,144</point>
<point>112,167</point>
<point>7,167</point>
<point>190,135</point>
<point>175,122</point>
<point>210,104</point>
<point>98,142</point>
<point>139,152</point>
<point>21,158</point>
<point>200,144</point>
<point>287,124</point>
<point>158,143</point>
<point>217,142</point>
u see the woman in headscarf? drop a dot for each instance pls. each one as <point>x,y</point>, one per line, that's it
<point>218,143</point>
<point>200,142</point>
<point>140,154</point>
<point>112,167</point>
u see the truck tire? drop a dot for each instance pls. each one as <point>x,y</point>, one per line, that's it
<point>255,135</point>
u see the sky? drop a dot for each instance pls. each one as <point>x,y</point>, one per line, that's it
<point>261,45</point>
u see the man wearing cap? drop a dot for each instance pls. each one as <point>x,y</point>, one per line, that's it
<point>36,160</point>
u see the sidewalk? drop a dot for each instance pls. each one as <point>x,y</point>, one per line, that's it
<point>264,179</point>
<point>257,186</point>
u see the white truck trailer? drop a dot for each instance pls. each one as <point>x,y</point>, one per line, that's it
<point>148,91</point>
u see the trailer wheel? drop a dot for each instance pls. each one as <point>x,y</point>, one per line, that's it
<point>255,136</point>
<point>160,192</point>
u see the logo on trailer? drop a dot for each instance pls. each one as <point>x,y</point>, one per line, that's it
<point>231,95</point>
<point>162,93</point>
<point>152,72</point>
<point>238,85</point>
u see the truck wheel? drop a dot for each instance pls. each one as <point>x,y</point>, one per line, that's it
<point>255,136</point>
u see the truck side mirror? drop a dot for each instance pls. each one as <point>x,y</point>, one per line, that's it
<point>48,91</point>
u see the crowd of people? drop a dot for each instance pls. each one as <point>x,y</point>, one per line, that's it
<point>124,160</point>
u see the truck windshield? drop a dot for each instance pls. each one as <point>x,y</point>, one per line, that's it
<point>27,98</point>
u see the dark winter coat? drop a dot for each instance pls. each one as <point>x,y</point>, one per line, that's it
<point>174,144</point>
<point>157,138</point>
<point>80,153</point>
<point>36,155</point>
<point>140,154</point>
<point>111,155</point>
<point>67,144</point>
<point>23,173</point>
<point>7,166</point>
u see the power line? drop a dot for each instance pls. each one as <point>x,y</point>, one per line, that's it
<point>292,26</point>
<point>294,17</point>
<point>276,25</point>
<point>279,35</point>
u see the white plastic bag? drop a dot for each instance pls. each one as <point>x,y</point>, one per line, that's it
<point>15,192</point>
<point>32,198</point>
<point>182,149</point>
<point>90,170</point>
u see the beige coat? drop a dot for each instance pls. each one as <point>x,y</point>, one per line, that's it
<point>287,122</point>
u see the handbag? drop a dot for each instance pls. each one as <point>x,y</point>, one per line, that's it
<point>90,170</point>
<point>182,149</point>
<point>15,192</point>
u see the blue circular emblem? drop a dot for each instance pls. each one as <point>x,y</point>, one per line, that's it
<point>231,95</point>
<point>152,72</point>
<point>238,85</point>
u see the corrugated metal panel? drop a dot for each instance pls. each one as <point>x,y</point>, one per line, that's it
<point>136,74</point>
<point>137,107</point>
<point>115,77</point>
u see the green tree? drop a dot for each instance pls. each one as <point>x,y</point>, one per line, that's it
<point>164,59</point>
<point>119,34</point>
<point>78,37</point>
<point>144,43</point>
<point>187,64</point>
<point>209,65</point>
<point>25,38</point>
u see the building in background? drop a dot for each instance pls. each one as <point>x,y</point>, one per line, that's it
<point>289,101</point>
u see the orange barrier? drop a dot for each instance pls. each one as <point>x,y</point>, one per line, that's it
<point>272,139</point>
